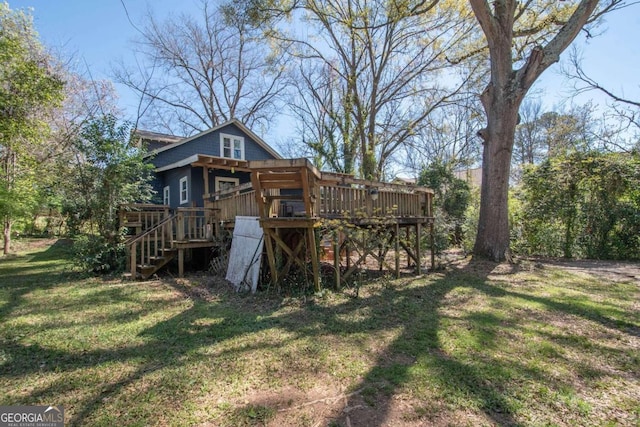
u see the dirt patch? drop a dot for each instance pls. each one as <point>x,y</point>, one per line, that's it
<point>615,271</point>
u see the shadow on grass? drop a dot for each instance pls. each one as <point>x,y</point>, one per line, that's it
<point>417,354</point>
<point>21,274</point>
<point>481,384</point>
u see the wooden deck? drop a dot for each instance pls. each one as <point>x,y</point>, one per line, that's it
<point>332,196</point>
<point>298,207</point>
<point>291,197</point>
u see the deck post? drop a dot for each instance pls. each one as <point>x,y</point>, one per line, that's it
<point>205,175</point>
<point>433,245</point>
<point>397,249</point>
<point>180,226</point>
<point>270,255</point>
<point>134,267</point>
<point>418,253</point>
<point>180,262</point>
<point>336,256</point>
<point>407,233</point>
<point>311,239</point>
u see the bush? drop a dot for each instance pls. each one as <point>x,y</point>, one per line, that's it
<point>579,205</point>
<point>451,199</point>
<point>470,224</point>
<point>95,254</point>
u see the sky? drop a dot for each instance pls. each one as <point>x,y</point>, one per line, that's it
<point>99,33</point>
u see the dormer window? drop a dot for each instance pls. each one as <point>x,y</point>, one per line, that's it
<point>231,147</point>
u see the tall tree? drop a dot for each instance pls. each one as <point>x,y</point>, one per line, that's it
<point>109,171</point>
<point>524,39</point>
<point>29,84</point>
<point>625,108</point>
<point>368,76</point>
<point>448,137</point>
<point>542,134</point>
<point>198,72</point>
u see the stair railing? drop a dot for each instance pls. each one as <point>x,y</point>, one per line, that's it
<point>150,245</point>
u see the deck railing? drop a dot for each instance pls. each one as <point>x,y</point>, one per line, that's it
<point>370,199</point>
<point>236,201</point>
<point>142,216</point>
<point>195,224</point>
<point>332,199</point>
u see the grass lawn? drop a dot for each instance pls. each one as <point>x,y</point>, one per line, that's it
<point>482,344</point>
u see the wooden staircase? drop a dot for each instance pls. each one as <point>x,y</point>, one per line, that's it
<point>151,249</point>
<point>166,238</point>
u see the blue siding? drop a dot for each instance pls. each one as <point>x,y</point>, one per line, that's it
<point>157,184</point>
<point>209,144</point>
<point>172,179</point>
<point>197,187</point>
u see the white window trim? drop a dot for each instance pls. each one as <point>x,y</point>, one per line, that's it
<point>218,179</point>
<point>166,195</point>
<point>231,138</point>
<point>186,187</point>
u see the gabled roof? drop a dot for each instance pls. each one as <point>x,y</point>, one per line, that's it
<point>148,135</point>
<point>236,122</point>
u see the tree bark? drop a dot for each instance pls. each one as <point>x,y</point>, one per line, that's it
<point>7,236</point>
<point>501,101</point>
<point>492,240</point>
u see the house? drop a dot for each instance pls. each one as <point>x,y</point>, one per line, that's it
<point>402,180</point>
<point>472,176</point>
<point>153,140</point>
<point>189,169</point>
<point>207,181</point>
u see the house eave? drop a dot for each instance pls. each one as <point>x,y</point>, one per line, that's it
<point>236,122</point>
<point>184,162</point>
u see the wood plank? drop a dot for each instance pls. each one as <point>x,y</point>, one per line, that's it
<point>397,249</point>
<point>281,185</point>
<point>418,254</point>
<point>281,176</point>
<point>285,197</point>
<point>268,241</point>
<point>336,257</point>
<point>306,192</point>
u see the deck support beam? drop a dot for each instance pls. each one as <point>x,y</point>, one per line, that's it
<point>418,253</point>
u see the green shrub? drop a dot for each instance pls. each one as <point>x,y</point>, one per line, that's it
<point>579,205</point>
<point>94,254</point>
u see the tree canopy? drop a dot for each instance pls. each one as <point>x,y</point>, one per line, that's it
<point>29,86</point>
<point>524,39</point>
<point>196,72</point>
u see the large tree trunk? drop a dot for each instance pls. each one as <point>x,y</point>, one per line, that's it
<point>501,101</point>
<point>492,240</point>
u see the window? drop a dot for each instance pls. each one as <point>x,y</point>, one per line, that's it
<point>184,190</point>
<point>232,147</point>
<point>222,183</point>
<point>166,199</point>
